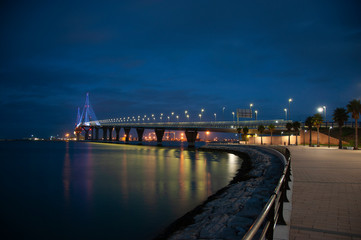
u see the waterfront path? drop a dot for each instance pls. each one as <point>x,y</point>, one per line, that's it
<point>326,201</point>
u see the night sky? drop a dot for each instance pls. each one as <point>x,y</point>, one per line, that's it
<point>144,57</point>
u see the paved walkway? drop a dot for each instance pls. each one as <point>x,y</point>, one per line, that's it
<point>326,193</point>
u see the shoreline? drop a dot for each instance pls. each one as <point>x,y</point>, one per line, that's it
<point>230,212</point>
<point>188,218</point>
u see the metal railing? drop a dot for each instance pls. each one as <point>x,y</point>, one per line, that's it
<point>272,213</point>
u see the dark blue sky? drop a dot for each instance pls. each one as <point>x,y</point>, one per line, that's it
<point>143,57</point>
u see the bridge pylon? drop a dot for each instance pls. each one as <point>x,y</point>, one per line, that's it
<point>84,120</point>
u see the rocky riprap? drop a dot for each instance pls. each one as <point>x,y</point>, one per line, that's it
<point>231,211</point>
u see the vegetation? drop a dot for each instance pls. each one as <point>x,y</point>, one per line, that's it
<point>296,126</point>
<point>354,107</point>
<point>289,127</point>
<point>317,120</point>
<point>271,128</point>
<point>261,129</point>
<point>245,132</point>
<point>309,124</point>
<point>340,116</point>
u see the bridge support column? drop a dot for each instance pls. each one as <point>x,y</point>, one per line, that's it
<point>110,134</point>
<point>140,132</point>
<point>78,136</point>
<point>96,133</point>
<point>127,131</point>
<point>117,130</point>
<point>159,132</point>
<point>86,134</point>
<point>191,135</point>
<point>105,130</point>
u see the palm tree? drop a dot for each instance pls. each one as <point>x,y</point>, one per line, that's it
<point>354,107</point>
<point>296,126</point>
<point>271,128</point>
<point>239,130</point>
<point>309,124</point>
<point>261,129</point>
<point>317,120</point>
<point>340,116</point>
<point>289,129</point>
<point>245,132</point>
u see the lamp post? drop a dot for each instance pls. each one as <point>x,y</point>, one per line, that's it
<point>250,107</point>
<point>177,118</point>
<point>215,117</point>
<point>223,112</point>
<point>200,117</point>
<point>256,112</point>
<point>185,113</point>
<point>233,116</point>
<point>285,113</point>
<point>324,107</point>
<point>289,107</point>
<point>188,117</point>
<point>329,131</point>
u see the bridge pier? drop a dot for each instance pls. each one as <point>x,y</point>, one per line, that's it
<point>78,136</point>
<point>159,132</point>
<point>105,130</point>
<point>96,133</point>
<point>127,131</point>
<point>86,134</point>
<point>117,130</point>
<point>110,134</point>
<point>140,132</point>
<point>191,135</point>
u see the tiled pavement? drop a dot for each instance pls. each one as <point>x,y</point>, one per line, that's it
<point>326,201</point>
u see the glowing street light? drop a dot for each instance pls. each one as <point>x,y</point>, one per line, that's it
<point>177,118</point>
<point>256,112</point>
<point>188,117</point>
<point>200,117</point>
<point>285,113</point>
<point>289,107</point>
<point>223,112</point>
<point>329,130</point>
<point>233,116</point>
<point>215,117</point>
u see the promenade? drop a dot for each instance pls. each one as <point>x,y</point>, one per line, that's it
<point>326,202</point>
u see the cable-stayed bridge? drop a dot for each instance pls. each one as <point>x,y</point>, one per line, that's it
<point>87,122</point>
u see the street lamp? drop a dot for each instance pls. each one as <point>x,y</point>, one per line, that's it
<point>289,107</point>
<point>215,117</point>
<point>250,107</point>
<point>223,112</point>
<point>329,131</point>
<point>285,113</point>
<point>233,116</point>
<point>188,117</point>
<point>324,107</point>
<point>200,117</point>
<point>256,112</point>
<point>177,118</point>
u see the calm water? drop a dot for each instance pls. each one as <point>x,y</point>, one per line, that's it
<point>59,190</point>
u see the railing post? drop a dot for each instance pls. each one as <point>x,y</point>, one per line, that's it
<point>271,219</point>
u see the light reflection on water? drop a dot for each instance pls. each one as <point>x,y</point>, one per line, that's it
<point>109,191</point>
